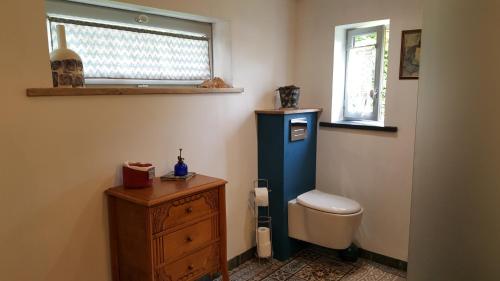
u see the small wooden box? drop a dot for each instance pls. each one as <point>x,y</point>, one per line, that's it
<point>137,179</point>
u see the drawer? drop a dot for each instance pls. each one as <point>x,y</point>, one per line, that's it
<point>191,267</point>
<point>183,210</point>
<point>186,240</point>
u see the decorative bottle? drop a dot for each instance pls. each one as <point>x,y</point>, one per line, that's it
<point>66,65</point>
<point>180,169</point>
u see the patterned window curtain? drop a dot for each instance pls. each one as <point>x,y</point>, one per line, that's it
<point>118,52</point>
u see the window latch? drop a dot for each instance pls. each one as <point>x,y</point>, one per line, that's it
<point>374,94</point>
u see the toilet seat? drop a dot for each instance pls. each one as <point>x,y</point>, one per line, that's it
<point>329,203</point>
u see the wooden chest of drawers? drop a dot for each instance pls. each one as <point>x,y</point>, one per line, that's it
<point>173,231</point>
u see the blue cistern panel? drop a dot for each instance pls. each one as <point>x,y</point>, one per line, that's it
<point>290,167</point>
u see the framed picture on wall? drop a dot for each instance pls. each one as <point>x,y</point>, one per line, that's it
<point>409,67</point>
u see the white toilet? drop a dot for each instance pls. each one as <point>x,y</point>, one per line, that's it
<point>324,219</point>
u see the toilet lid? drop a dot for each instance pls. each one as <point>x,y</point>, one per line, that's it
<point>330,203</point>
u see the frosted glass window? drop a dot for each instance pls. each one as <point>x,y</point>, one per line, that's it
<point>118,52</point>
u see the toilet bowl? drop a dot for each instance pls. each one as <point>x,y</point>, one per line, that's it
<point>324,219</point>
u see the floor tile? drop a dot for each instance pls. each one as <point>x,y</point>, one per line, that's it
<point>317,273</point>
<point>369,273</point>
<point>295,278</point>
<point>315,264</point>
<point>335,264</point>
<point>278,275</point>
<point>391,270</point>
<point>294,266</point>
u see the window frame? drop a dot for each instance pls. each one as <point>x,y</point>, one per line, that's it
<point>379,46</point>
<point>123,18</point>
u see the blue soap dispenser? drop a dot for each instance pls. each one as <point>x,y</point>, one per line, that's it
<point>180,169</point>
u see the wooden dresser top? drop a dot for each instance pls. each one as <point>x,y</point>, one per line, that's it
<point>285,111</point>
<point>162,191</point>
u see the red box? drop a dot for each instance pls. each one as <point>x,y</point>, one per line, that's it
<point>138,175</point>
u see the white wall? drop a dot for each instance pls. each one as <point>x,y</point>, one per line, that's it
<point>59,154</point>
<point>372,168</point>
<point>455,226</point>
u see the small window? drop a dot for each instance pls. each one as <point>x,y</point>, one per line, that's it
<point>127,47</point>
<point>366,73</point>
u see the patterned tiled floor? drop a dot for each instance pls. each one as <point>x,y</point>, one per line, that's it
<point>314,264</point>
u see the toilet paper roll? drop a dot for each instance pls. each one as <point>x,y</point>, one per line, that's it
<point>263,235</point>
<point>264,250</point>
<point>261,197</point>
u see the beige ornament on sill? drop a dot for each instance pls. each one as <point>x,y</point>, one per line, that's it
<point>66,65</point>
<point>216,82</point>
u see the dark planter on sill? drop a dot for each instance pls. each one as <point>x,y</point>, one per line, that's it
<point>289,96</point>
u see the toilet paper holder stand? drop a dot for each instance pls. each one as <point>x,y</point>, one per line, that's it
<point>262,220</point>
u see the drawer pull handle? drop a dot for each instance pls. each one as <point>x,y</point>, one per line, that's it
<point>189,239</point>
<point>189,210</point>
<point>190,267</point>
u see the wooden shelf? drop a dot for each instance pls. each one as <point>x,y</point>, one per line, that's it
<point>54,92</point>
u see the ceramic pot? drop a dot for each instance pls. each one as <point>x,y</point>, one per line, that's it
<point>289,96</point>
<point>66,65</point>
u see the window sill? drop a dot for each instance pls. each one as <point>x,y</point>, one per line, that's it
<point>46,92</point>
<point>359,125</point>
